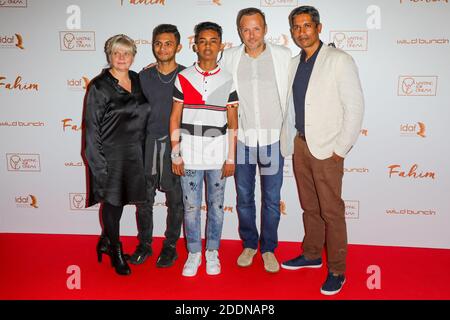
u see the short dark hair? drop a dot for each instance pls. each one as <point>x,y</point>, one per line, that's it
<point>166,28</point>
<point>313,12</point>
<point>249,12</point>
<point>207,25</point>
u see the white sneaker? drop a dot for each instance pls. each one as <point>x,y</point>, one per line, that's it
<point>193,261</point>
<point>212,262</point>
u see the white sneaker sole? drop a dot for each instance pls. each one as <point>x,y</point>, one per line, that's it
<point>191,274</point>
<point>331,293</point>
<point>214,273</point>
<point>302,267</point>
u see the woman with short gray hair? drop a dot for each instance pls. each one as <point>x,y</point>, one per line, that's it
<point>115,116</point>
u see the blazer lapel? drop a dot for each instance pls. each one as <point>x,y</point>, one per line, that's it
<point>320,60</point>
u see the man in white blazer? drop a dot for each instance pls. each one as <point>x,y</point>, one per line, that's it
<point>260,73</point>
<point>323,121</point>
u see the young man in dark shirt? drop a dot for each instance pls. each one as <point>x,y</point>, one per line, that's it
<point>157,84</point>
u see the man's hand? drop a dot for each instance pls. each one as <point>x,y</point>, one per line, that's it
<point>228,169</point>
<point>178,166</point>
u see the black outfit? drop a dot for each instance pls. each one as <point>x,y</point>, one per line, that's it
<point>158,89</point>
<point>115,121</point>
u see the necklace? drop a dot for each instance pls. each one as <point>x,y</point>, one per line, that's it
<point>171,79</point>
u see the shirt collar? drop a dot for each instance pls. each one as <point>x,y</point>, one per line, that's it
<point>313,57</point>
<point>262,54</point>
<point>206,73</point>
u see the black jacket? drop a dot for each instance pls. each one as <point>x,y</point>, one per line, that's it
<point>114,123</point>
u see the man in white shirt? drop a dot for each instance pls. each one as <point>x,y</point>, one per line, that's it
<point>260,73</point>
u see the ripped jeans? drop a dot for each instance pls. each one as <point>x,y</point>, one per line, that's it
<point>192,185</point>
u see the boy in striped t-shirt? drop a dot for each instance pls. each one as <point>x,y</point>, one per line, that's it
<point>204,116</point>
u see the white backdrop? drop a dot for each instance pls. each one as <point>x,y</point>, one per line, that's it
<point>396,184</point>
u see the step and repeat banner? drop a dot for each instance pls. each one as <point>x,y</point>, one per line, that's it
<point>397,177</point>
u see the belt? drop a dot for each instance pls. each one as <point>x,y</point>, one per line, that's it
<point>301,136</point>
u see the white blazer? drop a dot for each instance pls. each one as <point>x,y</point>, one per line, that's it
<point>281,57</point>
<point>334,106</point>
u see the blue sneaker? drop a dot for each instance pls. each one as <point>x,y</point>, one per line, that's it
<point>301,262</point>
<point>333,284</point>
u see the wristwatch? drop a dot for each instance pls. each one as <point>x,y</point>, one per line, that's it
<point>175,155</point>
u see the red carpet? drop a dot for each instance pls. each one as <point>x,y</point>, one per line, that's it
<point>35,267</point>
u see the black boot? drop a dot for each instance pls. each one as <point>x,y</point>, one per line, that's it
<point>167,257</point>
<point>102,247</point>
<point>118,260</point>
<point>143,251</point>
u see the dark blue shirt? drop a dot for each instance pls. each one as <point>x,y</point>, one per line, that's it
<point>300,86</point>
<point>158,89</point>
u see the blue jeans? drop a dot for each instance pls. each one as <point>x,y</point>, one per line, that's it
<point>270,162</point>
<point>192,185</point>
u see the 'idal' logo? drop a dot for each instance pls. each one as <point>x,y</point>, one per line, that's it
<point>413,130</point>
<point>11,41</point>
<point>78,84</point>
<point>26,201</point>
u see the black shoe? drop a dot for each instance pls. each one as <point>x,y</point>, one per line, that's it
<point>167,257</point>
<point>301,262</point>
<point>118,260</point>
<point>143,251</point>
<point>333,284</point>
<point>102,247</point>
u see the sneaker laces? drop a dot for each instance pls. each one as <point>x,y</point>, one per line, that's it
<point>212,256</point>
<point>192,259</point>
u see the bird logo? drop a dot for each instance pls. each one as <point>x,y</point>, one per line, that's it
<point>33,201</point>
<point>283,207</point>
<point>421,131</point>
<point>217,2</point>
<point>19,43</point>
<point>86,82</point>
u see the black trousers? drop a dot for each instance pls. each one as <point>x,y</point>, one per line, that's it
<point>174,202</point>
<point>111,221</point>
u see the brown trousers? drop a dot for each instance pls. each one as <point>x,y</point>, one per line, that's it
<point>319,184</point>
